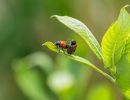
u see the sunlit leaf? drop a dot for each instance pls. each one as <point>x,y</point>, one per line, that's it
<point>116,48</point>
<point>83,32</point>
<point>51,46</point>
<point>123,75</point>
<point>114,40</point>
<point>127,47</point>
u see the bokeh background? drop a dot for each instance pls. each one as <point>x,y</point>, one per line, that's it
<point>29,71</point>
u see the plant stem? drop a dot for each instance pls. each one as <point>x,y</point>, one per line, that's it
<point>102,72</point>
<point>86,62</point>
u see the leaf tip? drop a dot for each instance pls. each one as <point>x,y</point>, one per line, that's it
<point>43,44</point>
<point>50,45</point>
<point>123,8</point>
<point>54,16</point>
<point>126,6</point>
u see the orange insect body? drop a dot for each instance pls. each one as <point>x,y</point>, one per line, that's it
<point>63,44</point>
<point>69,46</point>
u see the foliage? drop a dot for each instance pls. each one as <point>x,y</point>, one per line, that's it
<point>29,79</point>
<point>115,40</point>
<point>115,46</point>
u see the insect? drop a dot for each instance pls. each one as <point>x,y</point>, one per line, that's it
<point>71,47</point>
<point>61,44</point>
<point>66,46</point>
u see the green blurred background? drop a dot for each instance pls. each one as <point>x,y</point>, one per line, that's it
<point>29,71</point>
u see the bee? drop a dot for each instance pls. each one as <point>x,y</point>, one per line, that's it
<point>66,46</point>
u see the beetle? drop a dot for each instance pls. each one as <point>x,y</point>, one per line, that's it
<point>61,44</point>
<point>69,46</point>
<point>72,47</point>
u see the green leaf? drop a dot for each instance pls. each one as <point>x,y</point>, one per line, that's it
<point>83,61</point>
<point>127,47</point>
<point>40,59</point>
<point>101,92</point>
<point>123,75</point>
<point>114,40</point>
<point>29,81</point>
<point>83,32</point>
<point>116,51</point>
<point>51,46</point>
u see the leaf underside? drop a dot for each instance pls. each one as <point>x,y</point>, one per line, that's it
<point>83,32</point>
